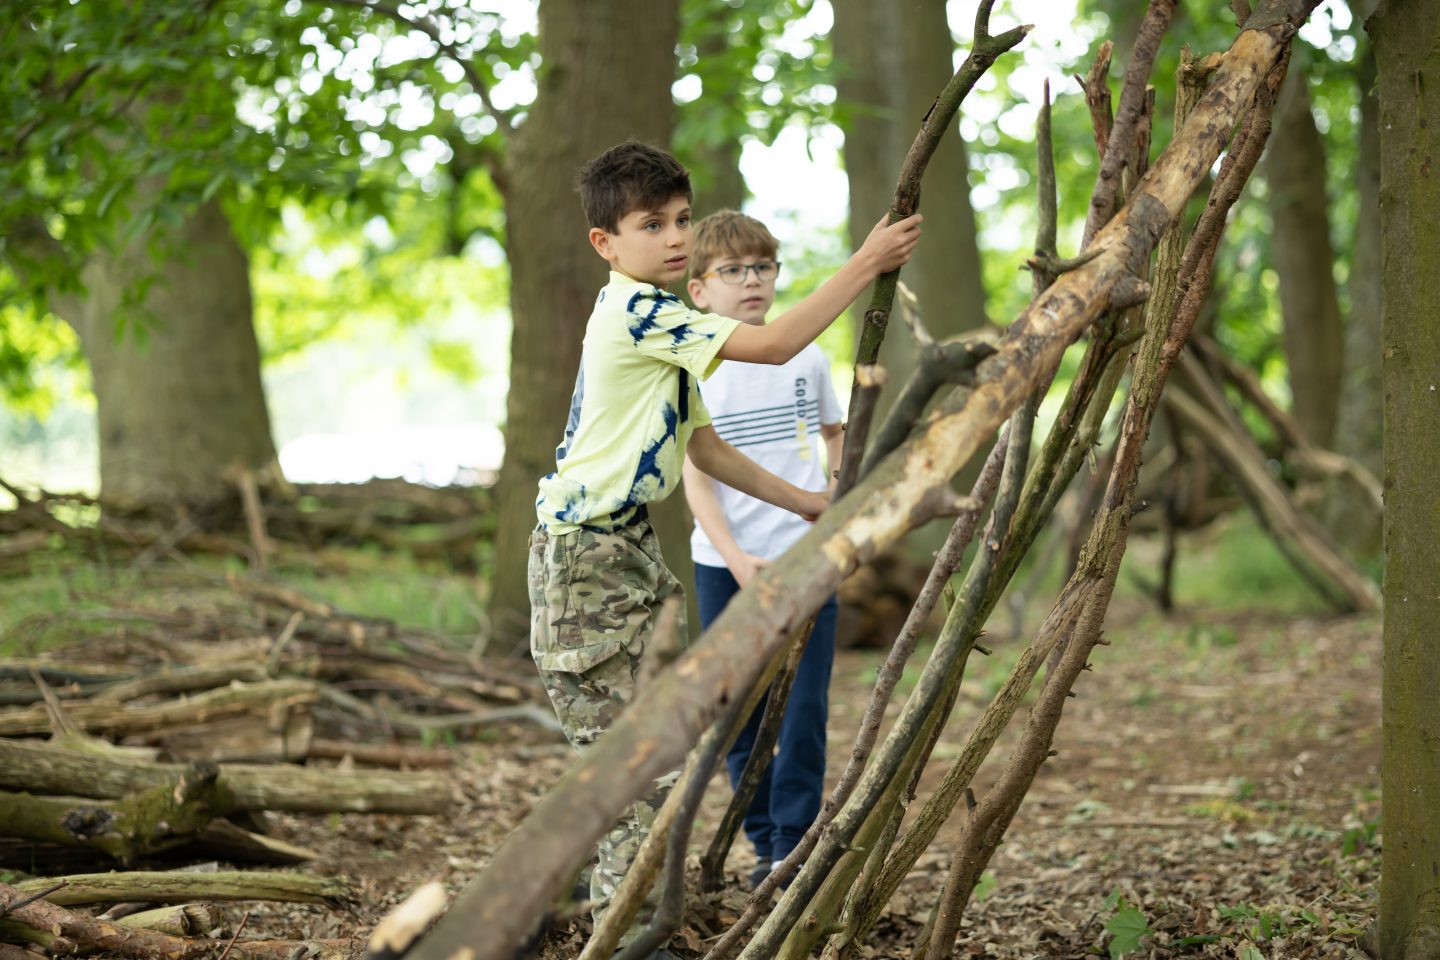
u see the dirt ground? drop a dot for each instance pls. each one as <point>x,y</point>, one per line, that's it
<point>1218,774</point>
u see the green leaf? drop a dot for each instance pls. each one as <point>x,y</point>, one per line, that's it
<point>1127,927</point>
<point>1248,952</point>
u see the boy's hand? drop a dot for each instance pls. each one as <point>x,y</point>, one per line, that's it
<point>810,504</point>
<point>890,245</point>
<point>744,567</point>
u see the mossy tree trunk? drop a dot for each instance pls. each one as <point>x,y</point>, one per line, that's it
<point>605,76</point>
<point>1407,48</point>
<point>177,378</point>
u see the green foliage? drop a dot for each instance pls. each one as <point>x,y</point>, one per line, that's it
<point>739,80</point>
<point>1127,926</point>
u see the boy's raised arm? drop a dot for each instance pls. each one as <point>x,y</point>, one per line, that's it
<point>888,247</point>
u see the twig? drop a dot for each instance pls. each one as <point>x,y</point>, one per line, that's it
<point>672,900</point>
<point>1127,116</point>
<point>869,381</point>
<point>7,908</point>
<point>272,663</point>
<point>713,862</point>
<point>953,361</point>
<point>886,679</point>
<point>1096,85</point>
<point>231,945</point>
<point>254,517</point>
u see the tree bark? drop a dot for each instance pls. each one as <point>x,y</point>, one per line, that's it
<point>1359,433</point>
<point>1408,60</point>
<point>178,391</point>
<point>504,908</point>
<point>164,816</point>
<point>138,886</point>
<point>1303,257</point>
<point>605,75</point>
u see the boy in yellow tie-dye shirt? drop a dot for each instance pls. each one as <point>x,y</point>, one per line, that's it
<point>596,577</point>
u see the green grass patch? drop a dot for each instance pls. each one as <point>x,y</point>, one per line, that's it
<point>39,609</point>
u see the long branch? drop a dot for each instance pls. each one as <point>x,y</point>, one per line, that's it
<point>984,51</point>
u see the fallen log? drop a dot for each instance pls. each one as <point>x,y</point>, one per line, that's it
<point>281,734</point>
<point>181,887</point>
<point>164,816</point>
<point>120,720</point>
<point>62,932</point>
<point>172,680</point>
<point>43,768</point>
<point>395,755</point>
<point>179,920</point>
<point>231,842</point>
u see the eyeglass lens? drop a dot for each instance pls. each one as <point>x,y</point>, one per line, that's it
<point>765,270</point>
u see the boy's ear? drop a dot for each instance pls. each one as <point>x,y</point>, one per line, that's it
<point>696,289</point>
<point>600,240</point>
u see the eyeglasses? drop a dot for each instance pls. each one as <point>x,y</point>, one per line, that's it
<point>765,271</point>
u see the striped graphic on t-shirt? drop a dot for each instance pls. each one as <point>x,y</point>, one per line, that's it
<point>746,428</point>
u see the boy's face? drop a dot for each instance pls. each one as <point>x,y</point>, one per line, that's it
<point>748,299</point>
<point>652,246</point>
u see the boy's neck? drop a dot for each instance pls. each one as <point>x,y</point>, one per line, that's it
<point>654,283</point>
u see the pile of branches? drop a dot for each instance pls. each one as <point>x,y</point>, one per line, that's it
<point>265,517</point>
<point>172,731</point>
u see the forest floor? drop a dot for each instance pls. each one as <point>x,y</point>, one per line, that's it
<point>1215,792</point>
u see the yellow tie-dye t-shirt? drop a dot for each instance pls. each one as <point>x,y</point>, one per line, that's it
<point>636,402</point>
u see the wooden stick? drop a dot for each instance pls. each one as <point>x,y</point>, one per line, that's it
<point>176,887</point>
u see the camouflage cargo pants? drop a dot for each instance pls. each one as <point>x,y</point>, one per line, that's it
<point>594,600</point>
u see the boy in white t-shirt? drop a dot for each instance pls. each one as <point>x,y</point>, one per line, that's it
<point>772,414</point>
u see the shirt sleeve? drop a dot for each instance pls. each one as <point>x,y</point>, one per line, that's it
<point>662,327</point>
<point>830,411</point>
<point>699,413</point>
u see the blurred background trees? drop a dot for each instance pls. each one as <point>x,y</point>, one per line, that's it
<point>231,229</point>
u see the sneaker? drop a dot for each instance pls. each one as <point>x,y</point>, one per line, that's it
<point>758,873</point>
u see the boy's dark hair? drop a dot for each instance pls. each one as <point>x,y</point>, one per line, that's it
<point>729,233</point>
<point>629,176</point>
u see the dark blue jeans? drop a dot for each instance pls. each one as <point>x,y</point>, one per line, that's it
<point>788,798</point>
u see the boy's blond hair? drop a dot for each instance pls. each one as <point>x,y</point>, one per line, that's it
<point>729,233</point>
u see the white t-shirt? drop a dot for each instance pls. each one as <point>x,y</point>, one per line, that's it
<point>772,414</point>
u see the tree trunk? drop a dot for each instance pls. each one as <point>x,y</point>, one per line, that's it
<point>1303,257</point>
<point>605,75</point>
<point>891,60</point>
<point>1408,60</point>
<point>1361,400</point>
<point>177,388</point>
<point>715,160</point>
